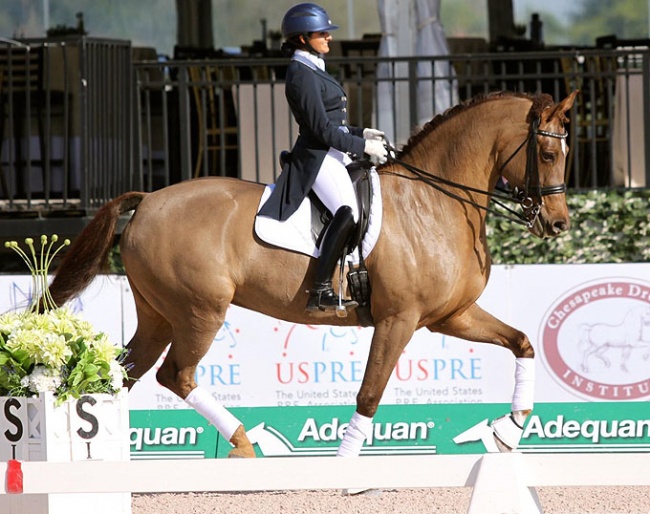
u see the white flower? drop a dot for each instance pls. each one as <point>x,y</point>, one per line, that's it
<point>104,349</point>
<point>117,375</point>
<point>54,350</point>
<point>10,322</point>
<point>42,379</point>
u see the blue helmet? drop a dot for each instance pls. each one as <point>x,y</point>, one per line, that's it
<point>303,18</point>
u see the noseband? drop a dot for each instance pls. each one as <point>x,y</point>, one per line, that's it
<point>531,197</point>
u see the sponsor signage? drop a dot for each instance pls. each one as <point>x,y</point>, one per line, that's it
<point>171,434</point>
<point>297,384</point>
<point>397,430</point>
<point>588,324</point>
<point>596,340</point>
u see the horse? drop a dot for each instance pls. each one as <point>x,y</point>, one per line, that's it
<point>597,338</point>
<point>189,251</point>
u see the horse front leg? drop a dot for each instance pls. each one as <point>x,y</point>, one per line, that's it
<point>388,341</point>
<point>475,324</point>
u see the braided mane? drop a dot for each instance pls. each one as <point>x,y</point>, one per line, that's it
<point>540,102</point>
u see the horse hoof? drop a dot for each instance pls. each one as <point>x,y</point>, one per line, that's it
<point>501,446</point>
<point>242,453</point>
<point>507,433</point>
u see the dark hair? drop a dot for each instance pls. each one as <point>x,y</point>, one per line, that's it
<point>291,44</point>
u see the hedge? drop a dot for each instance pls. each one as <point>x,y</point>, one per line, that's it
<point>609,225</point>
<point>606,226</point>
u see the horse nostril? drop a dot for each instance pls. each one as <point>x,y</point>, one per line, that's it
<point>560,226</point>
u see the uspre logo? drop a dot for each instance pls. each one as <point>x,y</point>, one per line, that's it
<point>596,340</point>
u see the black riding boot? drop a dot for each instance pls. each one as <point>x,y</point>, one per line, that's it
<point>322,296</point>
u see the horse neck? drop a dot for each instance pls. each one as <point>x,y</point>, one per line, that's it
<point>463,150</point>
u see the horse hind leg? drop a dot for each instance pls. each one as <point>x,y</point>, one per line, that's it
<point>151,337</point>
<point>177,374</point>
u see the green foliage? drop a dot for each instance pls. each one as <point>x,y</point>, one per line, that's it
<point>606,226</point>
<point>57,351</point>
<point>465,19</point>
<point>627,19</point>
<point>115,264</point>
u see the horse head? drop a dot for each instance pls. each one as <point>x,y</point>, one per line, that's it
<point>538,173</point>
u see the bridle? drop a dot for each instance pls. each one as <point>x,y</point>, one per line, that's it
<point>530,198</point>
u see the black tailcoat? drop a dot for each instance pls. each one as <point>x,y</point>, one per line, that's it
<point>319,105</point>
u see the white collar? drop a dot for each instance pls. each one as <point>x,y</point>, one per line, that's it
<point>309,59</point>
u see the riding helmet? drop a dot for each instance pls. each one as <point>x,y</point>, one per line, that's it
<point>305,18</point>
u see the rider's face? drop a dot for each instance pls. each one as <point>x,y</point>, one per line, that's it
<point>320,41</point>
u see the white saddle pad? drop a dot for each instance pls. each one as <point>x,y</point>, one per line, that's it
<point>295,233</point>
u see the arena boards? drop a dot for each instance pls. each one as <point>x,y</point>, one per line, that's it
<point>294,385</point>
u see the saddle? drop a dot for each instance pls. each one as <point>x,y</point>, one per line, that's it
<point>357,275</point>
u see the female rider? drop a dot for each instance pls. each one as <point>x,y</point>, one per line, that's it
<point>325,145</point>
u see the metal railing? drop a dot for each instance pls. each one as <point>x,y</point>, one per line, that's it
<point>66,124</point>
<point>82,123</point>
<point>229,117</point>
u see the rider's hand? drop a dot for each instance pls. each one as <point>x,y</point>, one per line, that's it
<point>377,149</point>
<point>371,133</point>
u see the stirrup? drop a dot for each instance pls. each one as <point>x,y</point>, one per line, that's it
<point>326,300</point>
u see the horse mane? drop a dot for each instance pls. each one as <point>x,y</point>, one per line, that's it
<point>539,101</point>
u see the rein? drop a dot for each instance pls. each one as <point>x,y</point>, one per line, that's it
<point>530,199</point>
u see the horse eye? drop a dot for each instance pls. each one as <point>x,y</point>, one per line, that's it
<point>548,157</point>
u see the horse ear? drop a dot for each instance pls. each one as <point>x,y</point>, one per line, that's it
<point>560,109</point>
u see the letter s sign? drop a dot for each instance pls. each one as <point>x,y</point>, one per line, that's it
<point>14,420</point>
<point>87,416</point>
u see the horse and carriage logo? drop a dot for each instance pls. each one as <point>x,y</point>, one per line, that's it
<point>596,340</point>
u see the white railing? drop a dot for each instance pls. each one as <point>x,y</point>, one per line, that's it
<point>501,482</point>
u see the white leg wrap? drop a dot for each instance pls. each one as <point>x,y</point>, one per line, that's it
<point>358,430</point>
<point>523,397</point>
<point>205,404</point>
<point>507,430</point>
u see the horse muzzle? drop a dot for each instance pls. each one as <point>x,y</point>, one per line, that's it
<point>546,227</point>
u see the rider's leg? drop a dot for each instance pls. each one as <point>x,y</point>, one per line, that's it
<point>334,188</point>
<point>322,296</point>
<point>333,185</point>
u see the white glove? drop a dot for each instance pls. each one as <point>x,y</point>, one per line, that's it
<point>377,149</point>
<point>371,133</point>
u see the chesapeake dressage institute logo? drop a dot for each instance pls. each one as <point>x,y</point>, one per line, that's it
<point>596,340</point>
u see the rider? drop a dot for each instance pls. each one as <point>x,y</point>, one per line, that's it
<point>325,144</point>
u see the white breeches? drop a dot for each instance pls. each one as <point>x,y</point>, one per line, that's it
<point>333,185</point>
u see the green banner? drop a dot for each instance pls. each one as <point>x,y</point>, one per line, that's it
<point>397,430</point>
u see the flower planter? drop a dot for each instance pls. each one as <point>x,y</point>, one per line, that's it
<point>94,427</point>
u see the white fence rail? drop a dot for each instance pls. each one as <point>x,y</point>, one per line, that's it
<point>500,482</point>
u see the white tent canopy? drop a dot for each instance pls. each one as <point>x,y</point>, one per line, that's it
<point>411,28</point>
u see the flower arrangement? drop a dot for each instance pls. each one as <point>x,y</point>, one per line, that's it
<point>54,350</point>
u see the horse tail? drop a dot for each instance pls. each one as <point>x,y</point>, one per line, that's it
<point>88,254</point>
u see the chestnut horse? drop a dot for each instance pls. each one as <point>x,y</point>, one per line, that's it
<point>190,250</point>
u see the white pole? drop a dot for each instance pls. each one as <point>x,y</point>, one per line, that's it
<point>46,15</point>
<point>351,19</point>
